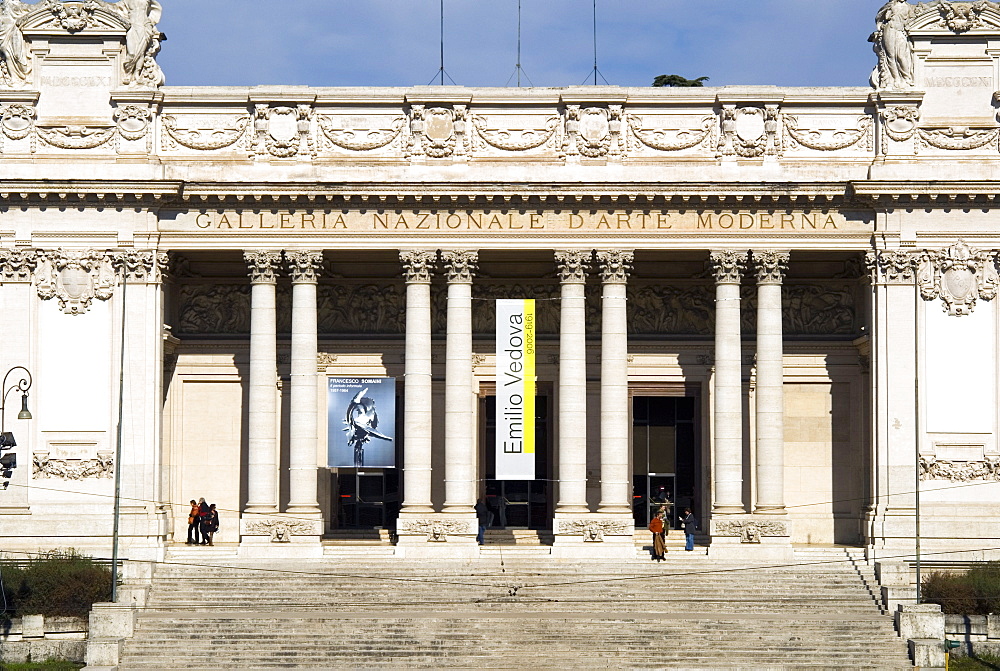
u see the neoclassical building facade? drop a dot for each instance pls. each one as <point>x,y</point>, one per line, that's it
<point>774,306</point>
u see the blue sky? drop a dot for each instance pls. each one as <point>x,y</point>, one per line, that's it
<point>396,42</point>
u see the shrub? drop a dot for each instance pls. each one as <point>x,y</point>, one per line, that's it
<point>975,592</point>
<point>58,584</point>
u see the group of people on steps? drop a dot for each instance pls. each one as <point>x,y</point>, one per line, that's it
<point>658,527</point>
<point>203,520</point>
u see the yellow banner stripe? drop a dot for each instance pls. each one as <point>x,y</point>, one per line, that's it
<point>529,376</point>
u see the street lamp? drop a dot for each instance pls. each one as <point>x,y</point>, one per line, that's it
<point>8,462</point>
<point>22,385</point>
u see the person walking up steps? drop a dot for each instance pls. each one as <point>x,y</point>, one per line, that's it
<point>690,523</point>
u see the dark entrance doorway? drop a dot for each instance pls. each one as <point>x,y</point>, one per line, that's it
<point>368,499</point>
<point>517,504</point>
<point>665,457</point>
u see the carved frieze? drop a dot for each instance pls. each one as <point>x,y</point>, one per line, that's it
<point>958,138</point>
<point>76,136</point>
<point>214,309</point>
<point>281,530</point>
<point>728,265</point>
<point>361,308</point>
<point>749,531</point>
<point>615,265</point>
<point>437,530</point>
<point>515,139</point>
<point>101,467</point>
<point>669,309</point>
<point>484,308</point>
<point>672,140</point>
<point>203,137</point>
<point>360,139</point>
<point>932,468</point>
<point>460,265</point>
<point>832,140</point>
<point>959,276</point>
<point>592,530</point>
<point>418,265</point>
<point>75,278</point>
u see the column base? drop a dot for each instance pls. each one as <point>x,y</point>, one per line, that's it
<point>593,535</point>
<point>437,535</point>
<point>280,536</point>
<point>751,538</point>
<point>308,509</point>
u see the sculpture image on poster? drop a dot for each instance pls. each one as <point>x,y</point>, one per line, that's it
<point>361,422</point>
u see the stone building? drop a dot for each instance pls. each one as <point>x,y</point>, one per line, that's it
<point>774,305</point>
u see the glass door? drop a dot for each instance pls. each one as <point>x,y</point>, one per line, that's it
<point>664,457</point>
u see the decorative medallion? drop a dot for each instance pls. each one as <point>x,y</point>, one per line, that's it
<point>959,275</point>
<point>75,278</point>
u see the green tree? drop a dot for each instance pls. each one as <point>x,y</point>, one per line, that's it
<point>677,80</point>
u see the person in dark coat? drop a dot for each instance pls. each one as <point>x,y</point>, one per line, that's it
<point>690,526</point>
<point>485,519</point>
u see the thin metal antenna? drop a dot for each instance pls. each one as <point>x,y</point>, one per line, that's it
<point>441,71</point>
<point>595,42</point>
<point>596,72</point>
<point>518,70</point>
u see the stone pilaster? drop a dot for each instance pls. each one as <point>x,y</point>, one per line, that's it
<point>770,267</point>
<point>418,266</point>
<point>304,267</point>
<point>262,469</point>
<point>728,266</point>
<point>616,487</point>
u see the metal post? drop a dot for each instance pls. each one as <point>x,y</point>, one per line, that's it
<point>118,452</point>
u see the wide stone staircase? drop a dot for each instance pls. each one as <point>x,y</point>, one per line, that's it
<point>515,611</point>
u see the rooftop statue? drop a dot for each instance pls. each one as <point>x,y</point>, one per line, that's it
<point>892,44</point>
<point>142,42</point>
<point>14,62</point>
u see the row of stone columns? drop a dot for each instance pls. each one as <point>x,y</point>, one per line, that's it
<point>770,267</point>
<point>460,457</point>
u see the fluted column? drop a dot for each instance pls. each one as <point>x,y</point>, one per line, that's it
<point>770,267</point>
<point>572,455</point>
<point>728,266</point>
<point>615,479</point>
<point>418,266</point>
<point>459,399</point>
<point>262,467</point>
<point>304,268</point>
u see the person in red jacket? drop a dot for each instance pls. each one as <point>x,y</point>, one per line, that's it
<point>659,538</point>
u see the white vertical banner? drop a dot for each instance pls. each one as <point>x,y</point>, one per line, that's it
<point>515,420</point>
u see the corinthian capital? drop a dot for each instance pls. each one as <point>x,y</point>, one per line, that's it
<point>460,265</point>
<point>418,265</point>
<point>891,266</point>
<point>304,265</point>
<point>616,264</point>
<point>771,266</point>
<point>139,265</point>
<point>728,265</point>
<point>573,265</point>
<point>16,265</point>
<point>263,265</point>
